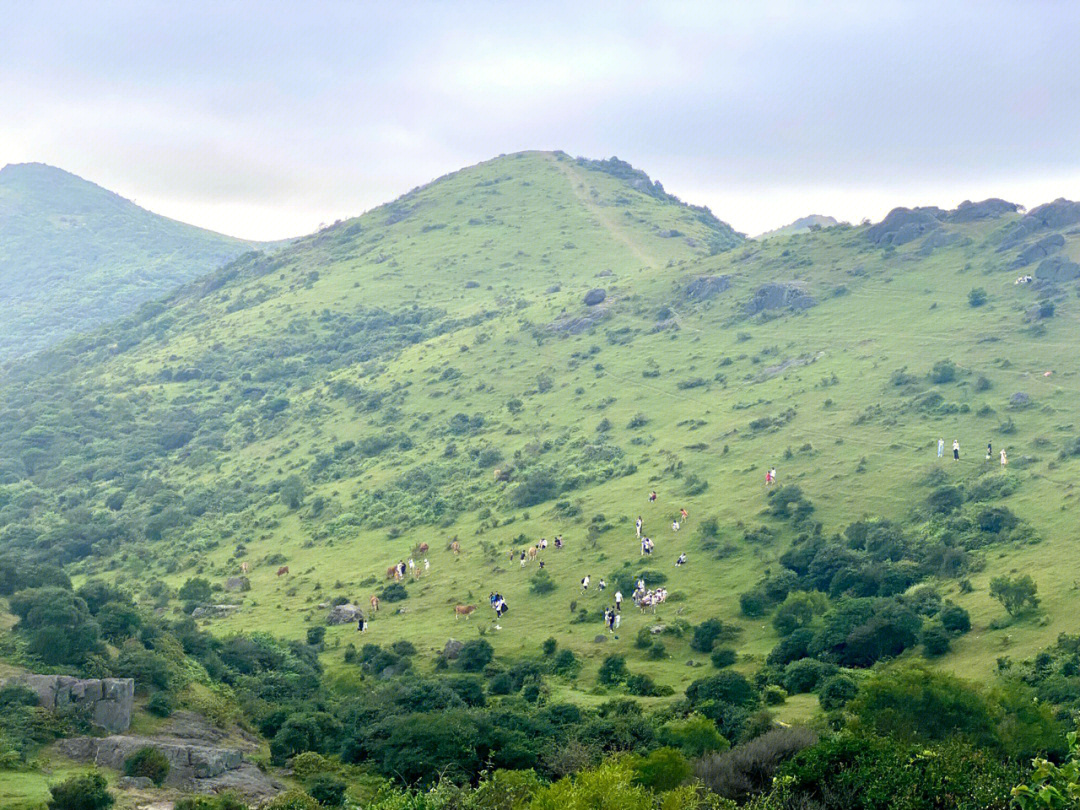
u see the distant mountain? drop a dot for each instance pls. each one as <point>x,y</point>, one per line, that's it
<point>801,225</point>
<point>74,255</point>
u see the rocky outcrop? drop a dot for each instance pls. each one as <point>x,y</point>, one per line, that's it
<point>576,324</point>
<point>214,611</point>
<point>1058,214</point>
<point>594,297</point>
<point>779,296</point>
<point>1046,246</point>
<point>939,239</point>
<point>969,211</point>
<point>106,701</point>
<point>344,614</point>
<point>192,767</point>
<point>903,225</point>
<point>452,649</point>
<point>1057,269</point>
<point>237,584</point>
<point>705,287</point>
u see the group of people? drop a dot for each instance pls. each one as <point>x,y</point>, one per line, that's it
<point>411,567</point>
<point>498,604</point>
<point>770,476</point>
<point>1002,455</point>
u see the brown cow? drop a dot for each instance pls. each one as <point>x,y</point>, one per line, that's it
<point>243,568</point>
<point>423,548</point>
<point>283,570</point>
<point>374,603</point>
<point>463,610</point>
<point>392,572</point>
<point>455,547</point>
<point>531,553</point>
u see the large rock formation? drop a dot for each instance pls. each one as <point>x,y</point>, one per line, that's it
<point>703,288</point>
<point>106,701</point>
<point>902,225</point>
<point>777,296</point>
<point>344,614</point>
<point>992,208</point>
<point>1046,246</point>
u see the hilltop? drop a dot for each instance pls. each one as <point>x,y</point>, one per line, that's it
<point>527,348</point>
<point>801,225</point>
<point>74,256</point>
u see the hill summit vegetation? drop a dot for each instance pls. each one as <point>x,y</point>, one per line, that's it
<point>488,382</point>
<point>74,256</point>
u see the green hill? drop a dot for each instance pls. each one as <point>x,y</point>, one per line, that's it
<point>74,256</point>
<point>801,225</point>
<point>526,348</point>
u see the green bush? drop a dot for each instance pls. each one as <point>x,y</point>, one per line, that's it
<point>292,800</point>
<point>475,655</point>
<point>935,640</point>
<point>805,675</point>
<point>394,592</point>
<point>148,762</point>
<point>955,619</point>
<point>662,770</point>
<point>316,635</point>
<point>695,736</point>
<point>86,791</point>
<point>836,691</point>
<point>160,704</point>
<point>612,671</point>
<point>541,583</point>
<point>774,695</point>
<point>327,790</point>
<point>723,657</point>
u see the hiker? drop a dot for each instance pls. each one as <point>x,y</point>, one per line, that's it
<point>585,583</point>
<point>940,447</point>
<point>401,569</point>
<point>412,568</point>
<point>543,543</point>
<point>1004,458</point>
<point>641,585</point>
<point>956,449</point>
<point>541,564</point>
<point>683,515</point>
<point>644,546</point>
<point>618,618</point>
<point>523,558</point>
<point>652,496</point>
<point>601,584</point>
<point>612,618</point>
<point>361,624</point>
<point>989,451</point>
<point>618,601</point>
<point>558,541</point>
<point>638,524</point>
<point>768,477</point>
<point>674,525</point>
<point>427,565</point>
<point>681,560</point>
<point>772,475</point>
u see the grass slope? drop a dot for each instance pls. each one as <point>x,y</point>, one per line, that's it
<point>335,405</point>
<point>74,256</point>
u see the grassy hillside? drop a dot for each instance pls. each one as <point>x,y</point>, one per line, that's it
<point>801,225</point>
<point>333,406</point>
<point>74,256</point>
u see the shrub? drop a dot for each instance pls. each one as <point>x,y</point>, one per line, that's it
<point>723,657</point>
<point>805,675</point>
<point>707,634</point>
<point>160,704</point>
<point>774,695</point>
<point>316,635</point>
<point>935,640</point>
<point>86,791</point>
<point>791,648</point>
<point>662,770</point>
<point>541,583</point>
<point>292,800</point>
<point>644,686</point>
<point>475,655</point>
<point>695,736</point>
<point>148,762</point>
<point>955,619</point>
<point>977,297</point>
<point>836,691</point>
<point>549,646</point>
<point>394,592</point>
<point>327,790</point>
<point>944,371</point>
<point>748,769</point>
<point>612,671</point>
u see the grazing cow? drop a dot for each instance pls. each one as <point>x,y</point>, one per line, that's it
<point>463,610</point>
<point>531,553</point>
<point>423,548</point>
<point>374,603</point>
<point>392,572</point>
<point>243,568</point>
<point>497,474</point>
<point>455,547</point>
<point>283,570</point>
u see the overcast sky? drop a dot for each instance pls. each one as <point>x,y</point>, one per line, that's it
<point>265,119</point>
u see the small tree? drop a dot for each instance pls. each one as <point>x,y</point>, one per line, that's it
<point>977,297</point>
<point>1016,594</point>
<point>148,762</point>
<point>612,670</point>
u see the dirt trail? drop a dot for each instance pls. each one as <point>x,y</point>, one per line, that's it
<point>617,231</point>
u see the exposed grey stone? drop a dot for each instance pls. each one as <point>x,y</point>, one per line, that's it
<point>705,287</point>
<point>606,272</point>
<point>777,296</point>
<point>902,225</point>
<point>969,211</point>
<point>237,584</point>
<point>344,614</point>
<point>595,296</point>
<point>1040,250</point>
<point>657,629</point>
<point>1057,269</point>
<point>107,701</point>
<point>452,649</point>
<point>214,611</point>
<point>576,324</point>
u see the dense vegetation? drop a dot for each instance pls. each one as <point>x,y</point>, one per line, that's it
<point>525,350</point>
<point>74,256</point>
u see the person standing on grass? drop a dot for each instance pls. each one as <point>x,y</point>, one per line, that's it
<point>585,584</point>
<point>683,515</point>
<point>681,560</point>
<point>940,447</point>
<point>989,451</point>
<point>638,524</point>
<point>956,449</point>
<point>1004,458</point>
<point>618,601</point>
